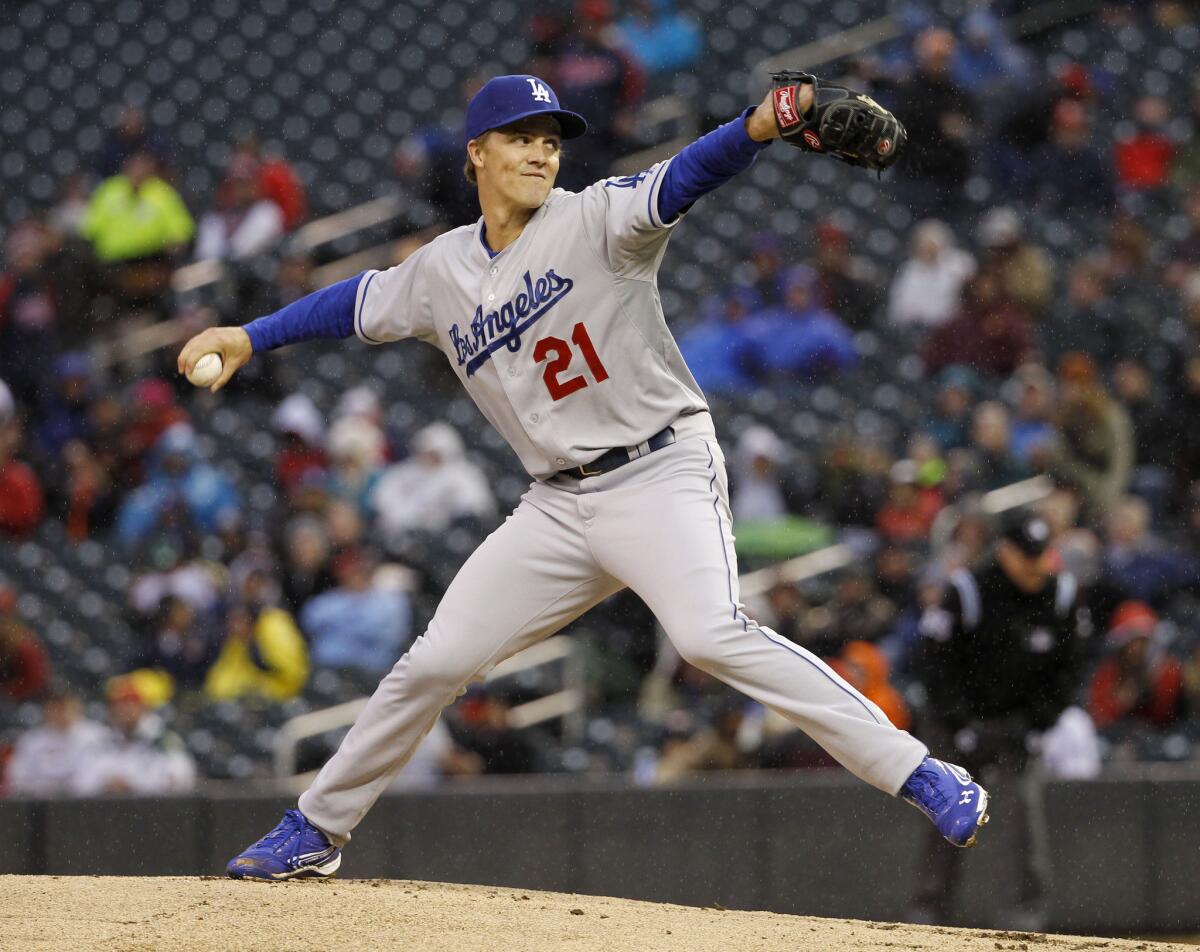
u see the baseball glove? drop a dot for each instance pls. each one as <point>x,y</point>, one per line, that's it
<point>842,123</point>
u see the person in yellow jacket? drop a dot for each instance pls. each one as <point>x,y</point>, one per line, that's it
<point>136,215</point>
<point>264,656</point>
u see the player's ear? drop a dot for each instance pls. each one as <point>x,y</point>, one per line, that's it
<point>475,151</point>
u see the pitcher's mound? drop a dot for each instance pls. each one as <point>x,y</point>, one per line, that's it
<point>117,914</point>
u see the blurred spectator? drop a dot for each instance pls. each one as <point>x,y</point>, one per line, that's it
<point>429,161</point>
<point>939,115</point>
<point>846,284</point>
<point>435,487</point>
<point>1069,172</point>
<point>357,455</point>
<point>307,570</point>
<point>910,509</point>
<point>88,496</point>
<point>263,655</point>
<point>950,419</point>
<point>46,757</point>
<point>182,645</point>
<point>1032,424</point>
<point>990,334</point>
<point>243,222</point>
<point>1186,173</point>
<point>128,137</point>
<point>991,443</point>
<point>717,350</point>
<point>927,289</point>
<point>1153,431</point>
<point>179,483</point>
<point>595,77</point>
<point>24,665</point>
<point>987,63</point>
<point>66,217</point>
<point>275,179</point>
<point>1184,253</point>
<point>34,327</point>
<point>1140,682</point>
<point>484,730</point>
<point>136,215</point>
<point>800,339</point>
<point>866,667</point>
<point>357,624</point>
<point>302,431</point>
<point>21,498</point>
<point>139,757</point>
<point>853,479</point>
<point>1144,156</point>
<point>1024,268</point>
<point>1140,565</point>
<point>1094,450</point>
<point>659,37</point>
<point>859,611</point>
<point>65,409</point>
<point>152,410</point>
<point>1087,321</point>
<point>437,756</point>
<point>766,267</point>
<point>758,492</point>
<point>714,746</point>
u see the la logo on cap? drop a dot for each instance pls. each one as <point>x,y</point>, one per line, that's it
<point>539,90</point>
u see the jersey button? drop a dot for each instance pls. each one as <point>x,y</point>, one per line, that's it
<point>533,418</point>
<point>512,371</point>
<point>560,461</point>
<point>491,297</point>
<point>495,270</point>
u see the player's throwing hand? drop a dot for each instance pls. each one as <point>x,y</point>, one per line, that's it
<point>232,343</point>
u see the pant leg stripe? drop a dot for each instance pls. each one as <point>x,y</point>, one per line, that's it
<point>801,654</point>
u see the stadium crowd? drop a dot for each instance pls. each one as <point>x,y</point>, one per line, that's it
<point>1076,362</point>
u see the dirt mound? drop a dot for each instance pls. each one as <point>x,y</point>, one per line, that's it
<point>119,914</point>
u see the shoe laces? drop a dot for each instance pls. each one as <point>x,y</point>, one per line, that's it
<point>924,786</point>
<point>292,825</point>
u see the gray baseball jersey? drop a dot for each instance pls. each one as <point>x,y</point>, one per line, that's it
<point>560,338</point>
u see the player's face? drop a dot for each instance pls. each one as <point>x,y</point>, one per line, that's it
<point>521,160</point>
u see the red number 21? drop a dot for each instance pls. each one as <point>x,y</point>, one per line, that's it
<point>562,359</point>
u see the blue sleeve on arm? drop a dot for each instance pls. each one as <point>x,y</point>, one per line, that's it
<point>328,313</point>
<point>709,162</point>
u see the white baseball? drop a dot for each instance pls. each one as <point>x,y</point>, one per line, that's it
<point>207,370</point>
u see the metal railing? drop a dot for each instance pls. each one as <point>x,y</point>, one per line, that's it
<point>568,703</point>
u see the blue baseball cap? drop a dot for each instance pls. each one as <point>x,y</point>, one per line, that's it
<point>506,99</point>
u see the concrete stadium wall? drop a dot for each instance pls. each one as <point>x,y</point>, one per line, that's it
<point>1125,854</point>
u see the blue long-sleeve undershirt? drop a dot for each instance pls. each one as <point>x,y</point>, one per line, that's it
<point>709,162</point>
<point>324,314</point>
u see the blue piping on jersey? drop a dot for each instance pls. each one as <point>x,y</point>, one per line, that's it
<point>483,240</point>
<point>798,652</point>
<point>358,313</point>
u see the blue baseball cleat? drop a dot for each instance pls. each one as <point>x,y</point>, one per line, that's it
<point>946,794</point>
<point>295,849</point>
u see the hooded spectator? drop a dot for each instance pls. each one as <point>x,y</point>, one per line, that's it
<point>717,350</point>
<point>66,405</point>
<point>927,290</point>
<point>758,492</point>
<point>1032,424</point>
<point>263,655</point>
<point>1025,270</point>
<point>987,63</point>
<point>1139,682</point>
<point>357,452</point>
<point>800,339</point>
<point>357,624</point>
<point>244,222</point>
<point>1138,564</point>
<point>990,335</point>
<point>302,434</point>
<point>152,410</point>
<point>766,265</point>
<point>1094,450</point>
<point>950,416</point>
<point>136,215</point>
<point>139,756</point>
<point>307,570</point>
<point>436,486</point>
<point>24,665</point>
<point>45,758</point>
<point>179,482</point>
<point>660,38</point>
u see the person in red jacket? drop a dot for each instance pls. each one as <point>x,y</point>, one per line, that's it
<point>24,667</point>
<point>1144,158</point>
<point>21,499</point>
<point>1139,681</point>
<point>277,181</point>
